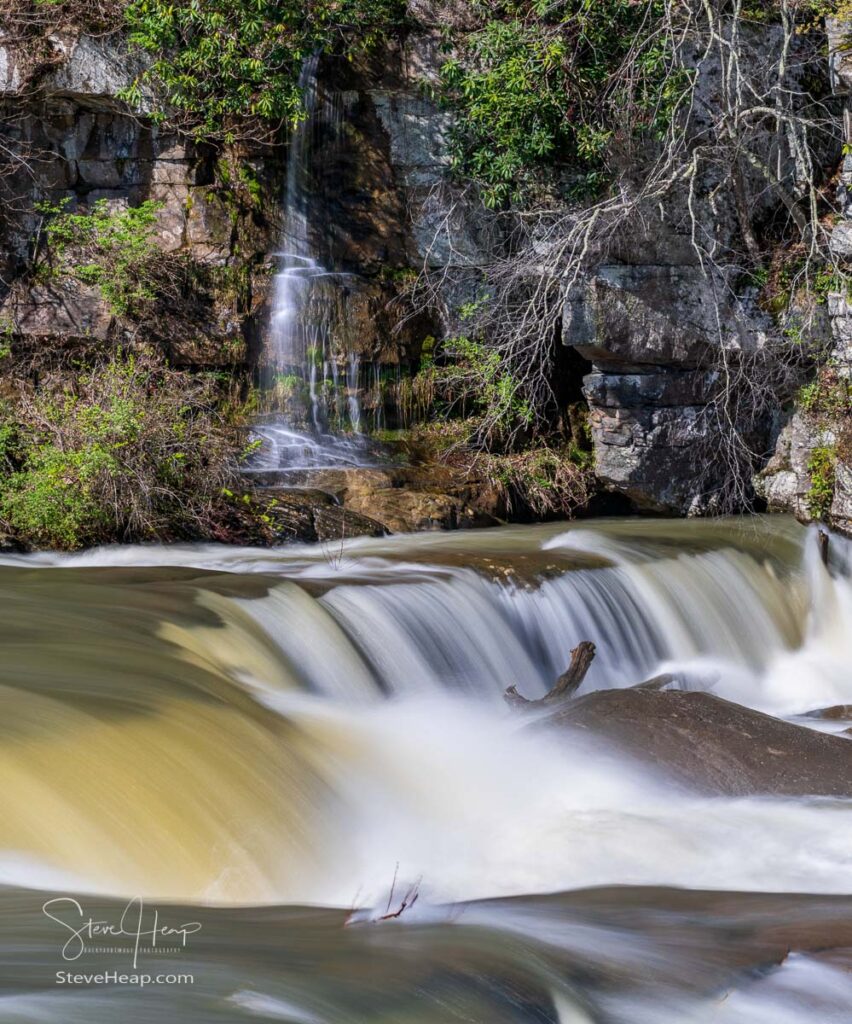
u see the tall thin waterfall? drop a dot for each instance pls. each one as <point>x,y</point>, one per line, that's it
<point>297,265</point>
<point>313,385</point>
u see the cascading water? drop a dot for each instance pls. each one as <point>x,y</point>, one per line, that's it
<point>225,727</point>
<point>316,386</point>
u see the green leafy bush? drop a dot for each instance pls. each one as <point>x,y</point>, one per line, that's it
<point>822,467</point>
<point>132,451</point>
<point>472,379</point>
<point>828,395</point>
<point>113,249</point>
<point>542,82</point>
<point>230,69</point>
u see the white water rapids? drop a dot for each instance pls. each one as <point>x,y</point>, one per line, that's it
<point>324,725</point>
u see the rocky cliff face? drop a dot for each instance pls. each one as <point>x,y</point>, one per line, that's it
<point>81,145</point>
<point>655,328</point>
<point>668,328</point>
<point>789,479</point>
<point>652,333</point>
<point>380,206</point>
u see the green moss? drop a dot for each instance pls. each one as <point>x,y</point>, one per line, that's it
<point>251,185</point>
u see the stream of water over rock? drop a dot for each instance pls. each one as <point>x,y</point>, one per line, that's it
<point>285,746</point>
<point>314,387</point>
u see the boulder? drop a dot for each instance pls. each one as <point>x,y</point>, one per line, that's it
<point>301,514</point>
<point>652,334</point>
<point>399,499</point>
<point>714,745</point>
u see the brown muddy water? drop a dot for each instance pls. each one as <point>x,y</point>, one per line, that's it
<point>290,776</point>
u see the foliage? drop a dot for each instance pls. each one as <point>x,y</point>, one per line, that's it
<point>8,437</point>
<point>471,379</point>
<point>540,82</point>
<point>828,394</point>
<point>132,451</point>
<point>543,480</point>
<point>822,467</point>
<point>164,296</point>
<point>827,400</point>
<point>231,69</point>
<point>113,249</point>
<point>540,480</point>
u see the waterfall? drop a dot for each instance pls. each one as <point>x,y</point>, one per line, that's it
<point>345,712</point>
<point>297,264</point>
<point>314,385</point>
<point>241,727</point>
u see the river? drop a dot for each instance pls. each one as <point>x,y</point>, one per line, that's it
<point>305,753</point>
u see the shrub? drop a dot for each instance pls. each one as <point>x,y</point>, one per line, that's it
<point>544,481</point>
<point>543,82</point>
<point>828,395</point>
<point>113,249</point>
<point>132,451</point>
<point>822,467</point>
<point>230,69</point>
<point>470,380</point>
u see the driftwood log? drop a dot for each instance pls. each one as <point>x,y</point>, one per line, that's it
<point>566,685</point>
<point>822,542</point>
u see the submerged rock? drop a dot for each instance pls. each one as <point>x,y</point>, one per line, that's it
<point>714,745</point>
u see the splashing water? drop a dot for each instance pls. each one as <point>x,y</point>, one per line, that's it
<point>302,350</point>
<point>242,726</point>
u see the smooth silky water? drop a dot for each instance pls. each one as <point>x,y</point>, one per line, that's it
<point>285,745</point>
<point>325,430</point>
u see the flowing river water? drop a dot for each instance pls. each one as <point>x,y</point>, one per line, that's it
<point>305,752</point>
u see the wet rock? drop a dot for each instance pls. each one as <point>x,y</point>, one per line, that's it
<point>311,515</point>
<point>432,497</point>
<point>399,499</point>
<point>333,522</point>
<point>650,332</point>
<point>713,745</point>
